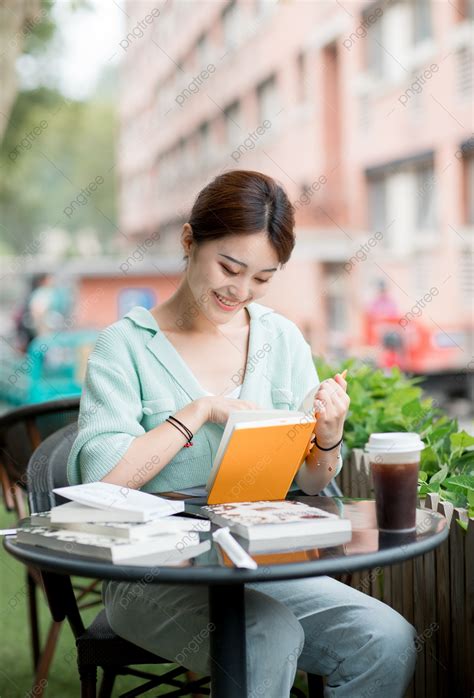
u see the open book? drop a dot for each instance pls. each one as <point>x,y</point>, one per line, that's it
<point>260,453</point>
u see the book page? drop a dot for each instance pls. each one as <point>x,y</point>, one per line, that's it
<point>308,400</point>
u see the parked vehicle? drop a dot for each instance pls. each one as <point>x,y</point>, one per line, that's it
<point>52,368</point>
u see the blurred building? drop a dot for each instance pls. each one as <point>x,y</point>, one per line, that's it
<point>362,110</point>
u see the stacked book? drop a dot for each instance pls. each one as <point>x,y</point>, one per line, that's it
<point>118,525</point>
<point>271,526</point>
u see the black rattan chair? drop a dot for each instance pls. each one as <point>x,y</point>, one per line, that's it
<point>22,430</point>
<point>98,646</point>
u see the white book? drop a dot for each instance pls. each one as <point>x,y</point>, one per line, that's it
<point>103,547</point>
<point>129,531</point>
<point>266,520</point>
<point>72,512</point>
<point>126,504</point>
<point>174,557</point>
<point>290,543</point>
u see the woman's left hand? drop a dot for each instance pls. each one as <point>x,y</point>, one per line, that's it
<point>331,404</point>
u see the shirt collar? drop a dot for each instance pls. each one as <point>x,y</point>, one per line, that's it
<point>143,318</point>
<point>164,351</point>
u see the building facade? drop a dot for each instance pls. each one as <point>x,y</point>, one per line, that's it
<point>362,110</point>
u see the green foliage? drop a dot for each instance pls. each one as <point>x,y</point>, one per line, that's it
<point>45,173</point>
<point>393,402</point>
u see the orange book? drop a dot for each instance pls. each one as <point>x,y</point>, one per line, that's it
<point>260,453</point>
<point>278,558</point>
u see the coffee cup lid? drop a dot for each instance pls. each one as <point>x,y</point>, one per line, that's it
<point>395,442</point>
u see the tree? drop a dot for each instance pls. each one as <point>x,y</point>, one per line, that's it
<point>25,25</point>
<point>59,158</point>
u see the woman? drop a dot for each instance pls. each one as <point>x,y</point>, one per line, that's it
<point>187,357</point>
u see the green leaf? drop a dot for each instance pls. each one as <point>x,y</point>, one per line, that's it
<point>440,476</point>
<point>461,441</point>
<point>464,481</point>
<point>424,489</point>
<point>457,499</point>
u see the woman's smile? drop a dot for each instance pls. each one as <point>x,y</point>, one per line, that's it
<point>225,303</point>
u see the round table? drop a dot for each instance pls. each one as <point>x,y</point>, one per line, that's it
<point>368,548</point>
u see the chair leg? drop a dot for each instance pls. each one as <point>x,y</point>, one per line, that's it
<point>33,617</point>
<point>88,676</point>
<point>47,654</point>
<point>107,683</point>
<point>315,686</point>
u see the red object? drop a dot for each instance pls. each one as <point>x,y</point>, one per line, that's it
<point>422,347</point>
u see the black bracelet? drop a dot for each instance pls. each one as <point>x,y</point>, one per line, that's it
<point>185,434</point>
<point>189,433</point>
<point>326,449</point>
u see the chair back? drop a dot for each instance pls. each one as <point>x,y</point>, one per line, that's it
<point>21,431</point>
<point>47,469</point>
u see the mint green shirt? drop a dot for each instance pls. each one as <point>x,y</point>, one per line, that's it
<point>135,379</point>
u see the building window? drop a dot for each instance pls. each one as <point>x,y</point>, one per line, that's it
<point>469,188</point>
<point>464,57</point>
<point>374,49</point>
<point>233,127</point>
<point>377,204</point>
<point>231,25</point>
<point>204,142</point>
<point>402,200</point>
<point>203,51</point>
<point>301,68</point>
<point>399,28</point>
<point>422,28</point>
<point>267,100</point>
<point>336,308</point>
<point>466,275</point>
<point>425,197</point>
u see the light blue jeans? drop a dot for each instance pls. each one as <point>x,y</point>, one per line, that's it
<point>364,648</point>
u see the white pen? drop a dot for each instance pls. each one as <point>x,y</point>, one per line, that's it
<point>234,550</point>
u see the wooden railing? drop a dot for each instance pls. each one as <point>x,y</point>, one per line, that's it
<point>434,592</point>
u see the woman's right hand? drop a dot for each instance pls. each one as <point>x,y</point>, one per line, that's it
<point>218,408</point>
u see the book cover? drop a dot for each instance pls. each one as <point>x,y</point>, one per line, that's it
<point>260,452</point>
<point>275,519</point>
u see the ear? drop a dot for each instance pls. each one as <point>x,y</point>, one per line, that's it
<point>187,238</point>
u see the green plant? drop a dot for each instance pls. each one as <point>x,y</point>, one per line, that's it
<point>395,402</point>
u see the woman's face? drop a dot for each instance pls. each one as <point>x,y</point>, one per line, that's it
<point>227,274</point>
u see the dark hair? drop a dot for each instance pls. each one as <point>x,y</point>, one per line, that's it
<point>244,202</point>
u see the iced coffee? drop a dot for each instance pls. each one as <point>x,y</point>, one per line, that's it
<point>394,460</point>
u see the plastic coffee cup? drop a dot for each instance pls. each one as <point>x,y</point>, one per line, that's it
<point>395,461</point>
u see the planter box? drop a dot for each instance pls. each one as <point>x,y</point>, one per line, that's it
<point>434,592</point>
